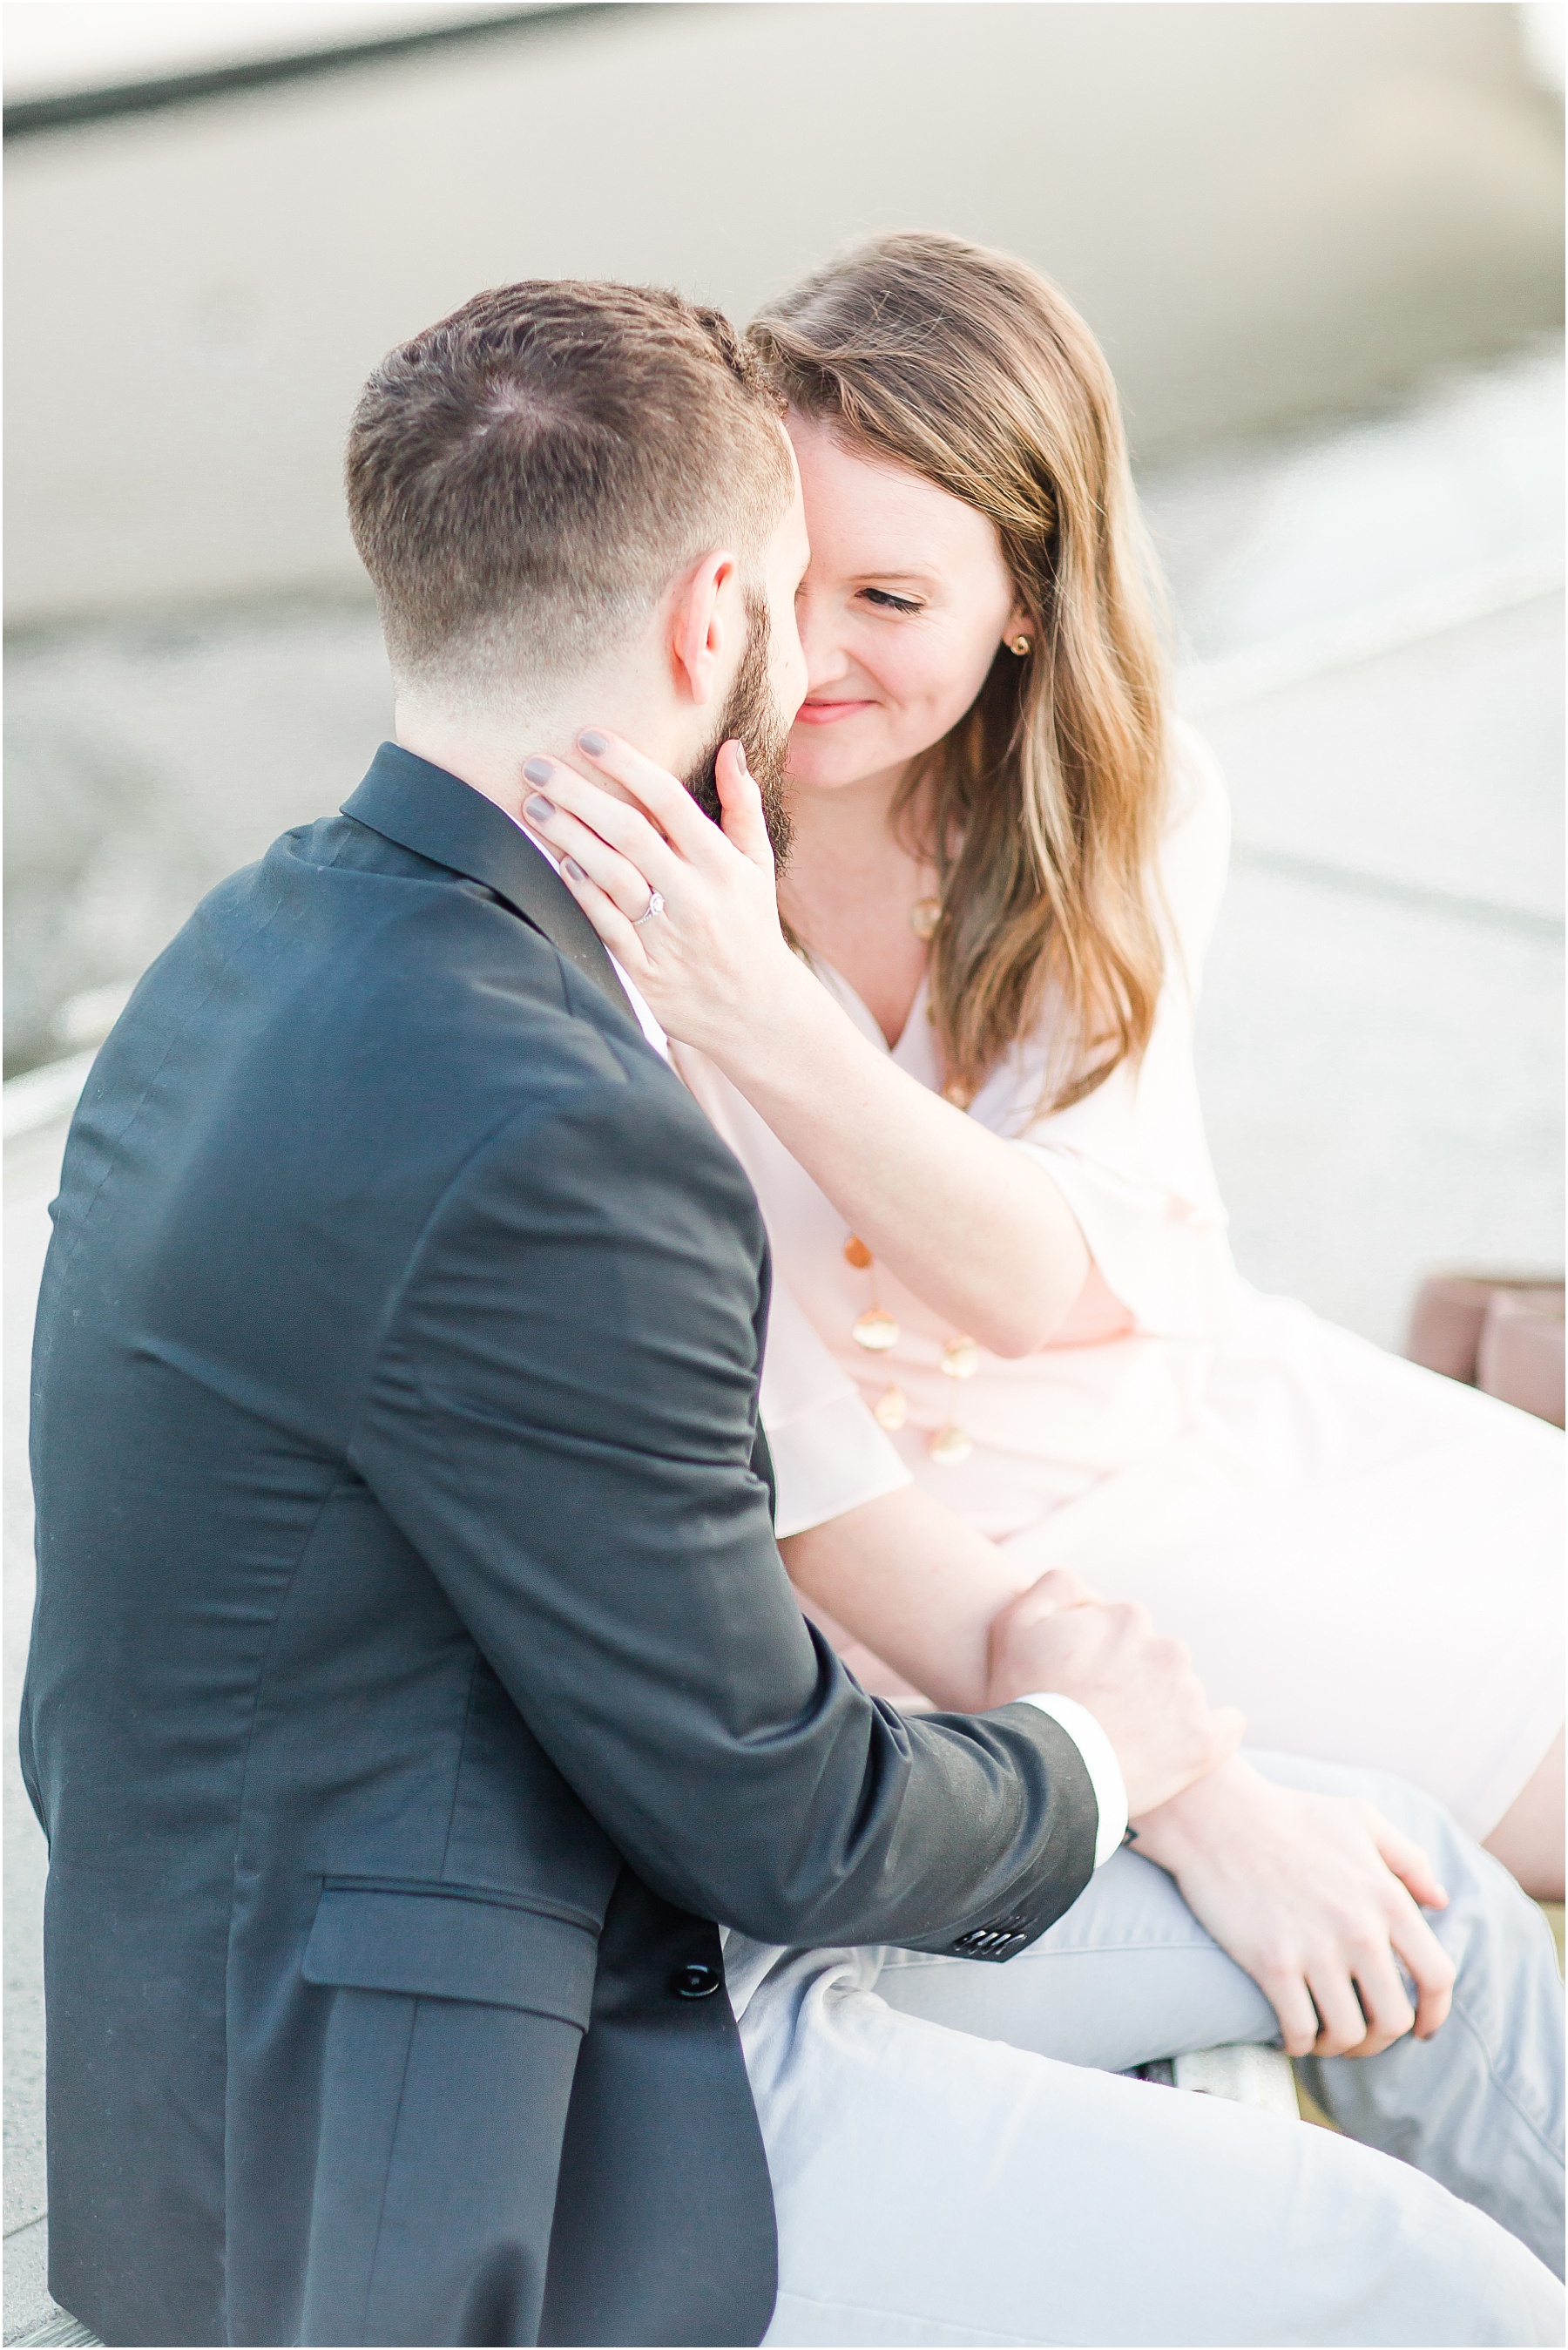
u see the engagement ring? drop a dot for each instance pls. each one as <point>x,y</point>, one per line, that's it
<point>655,906</point>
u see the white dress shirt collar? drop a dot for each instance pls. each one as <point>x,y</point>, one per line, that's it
<point>634,996</point>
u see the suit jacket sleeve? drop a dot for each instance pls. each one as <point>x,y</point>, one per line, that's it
<point>562,1420</point>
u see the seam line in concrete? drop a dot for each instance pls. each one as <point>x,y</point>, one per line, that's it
<point>1483,593</point>
<point>1345,881</point>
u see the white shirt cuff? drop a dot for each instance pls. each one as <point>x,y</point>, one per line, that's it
<point>1100,1762</point>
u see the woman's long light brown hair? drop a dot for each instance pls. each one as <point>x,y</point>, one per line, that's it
<point>1047,796</point>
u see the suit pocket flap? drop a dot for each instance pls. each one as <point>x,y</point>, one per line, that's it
<point>452,1946</point>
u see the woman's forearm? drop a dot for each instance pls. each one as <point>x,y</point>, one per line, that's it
<point>977,1231</point>
<point>912,1581</point>
<point>974,1228</point>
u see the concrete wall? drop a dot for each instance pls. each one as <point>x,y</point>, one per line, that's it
<point>1265,209</point>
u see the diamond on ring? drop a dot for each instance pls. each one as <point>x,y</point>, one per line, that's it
<point>655,906</point>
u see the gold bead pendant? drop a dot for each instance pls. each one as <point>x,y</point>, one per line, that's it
<point>960,1360</point>
<point>924,915</point>
<point>891,1409</point>
<point>876,1331</point>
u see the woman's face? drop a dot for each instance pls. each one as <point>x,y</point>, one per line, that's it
<point>903,605</point>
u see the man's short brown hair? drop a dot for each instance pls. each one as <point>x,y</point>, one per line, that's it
<point>526,478</point>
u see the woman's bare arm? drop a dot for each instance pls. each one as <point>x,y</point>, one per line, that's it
<point>912,1581</point>
<point>978,1230</point>
<point>1315,1896</point>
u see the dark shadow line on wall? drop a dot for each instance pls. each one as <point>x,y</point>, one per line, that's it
<point>25,117</point>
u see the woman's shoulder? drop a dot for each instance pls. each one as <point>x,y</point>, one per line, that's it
<point>1196,801</point>
<point>1195,849</point>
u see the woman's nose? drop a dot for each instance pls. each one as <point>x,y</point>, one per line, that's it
<point>826,659</point>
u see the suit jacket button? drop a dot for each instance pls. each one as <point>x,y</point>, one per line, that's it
<point>696,1979</point>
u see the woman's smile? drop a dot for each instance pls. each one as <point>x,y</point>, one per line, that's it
<point>821,712</point>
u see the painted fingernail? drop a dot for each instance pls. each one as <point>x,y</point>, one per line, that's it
<point>591,741</point>
<point>537,771</point>
<point>538,809</point>
<point>569,865</point>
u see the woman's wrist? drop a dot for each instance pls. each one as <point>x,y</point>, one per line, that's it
<point>784,1050</point>
<point>1210,1811</point>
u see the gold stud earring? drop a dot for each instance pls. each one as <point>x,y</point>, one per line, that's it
<point>1019,645</point>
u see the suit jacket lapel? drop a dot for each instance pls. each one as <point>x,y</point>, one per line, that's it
<point>422,808</point>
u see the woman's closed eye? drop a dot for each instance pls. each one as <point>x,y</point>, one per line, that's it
<point>885,601</point>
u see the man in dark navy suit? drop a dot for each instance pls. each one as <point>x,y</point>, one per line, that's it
<point>415,1687</point>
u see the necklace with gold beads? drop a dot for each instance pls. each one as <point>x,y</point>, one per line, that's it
<point>876,1330</point>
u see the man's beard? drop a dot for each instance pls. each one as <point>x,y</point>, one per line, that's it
<point>750,717</point>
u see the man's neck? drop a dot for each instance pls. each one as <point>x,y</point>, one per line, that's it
<point>489,754</point>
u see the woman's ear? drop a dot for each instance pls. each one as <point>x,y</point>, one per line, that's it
<point>700,620</point>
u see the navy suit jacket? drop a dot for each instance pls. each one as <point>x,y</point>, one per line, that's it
<point>414,1679</point>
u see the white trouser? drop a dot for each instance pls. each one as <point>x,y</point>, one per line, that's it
<point>955,2160</point>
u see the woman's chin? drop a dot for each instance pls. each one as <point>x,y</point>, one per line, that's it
<point>816,765</point>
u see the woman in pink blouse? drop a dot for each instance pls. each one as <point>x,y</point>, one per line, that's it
<point>966,1099</point>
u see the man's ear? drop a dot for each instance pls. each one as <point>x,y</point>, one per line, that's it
<point>702,616</point>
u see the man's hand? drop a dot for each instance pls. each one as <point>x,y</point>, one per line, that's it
<point>1139,1687</point>
<point>1315,1896</point>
